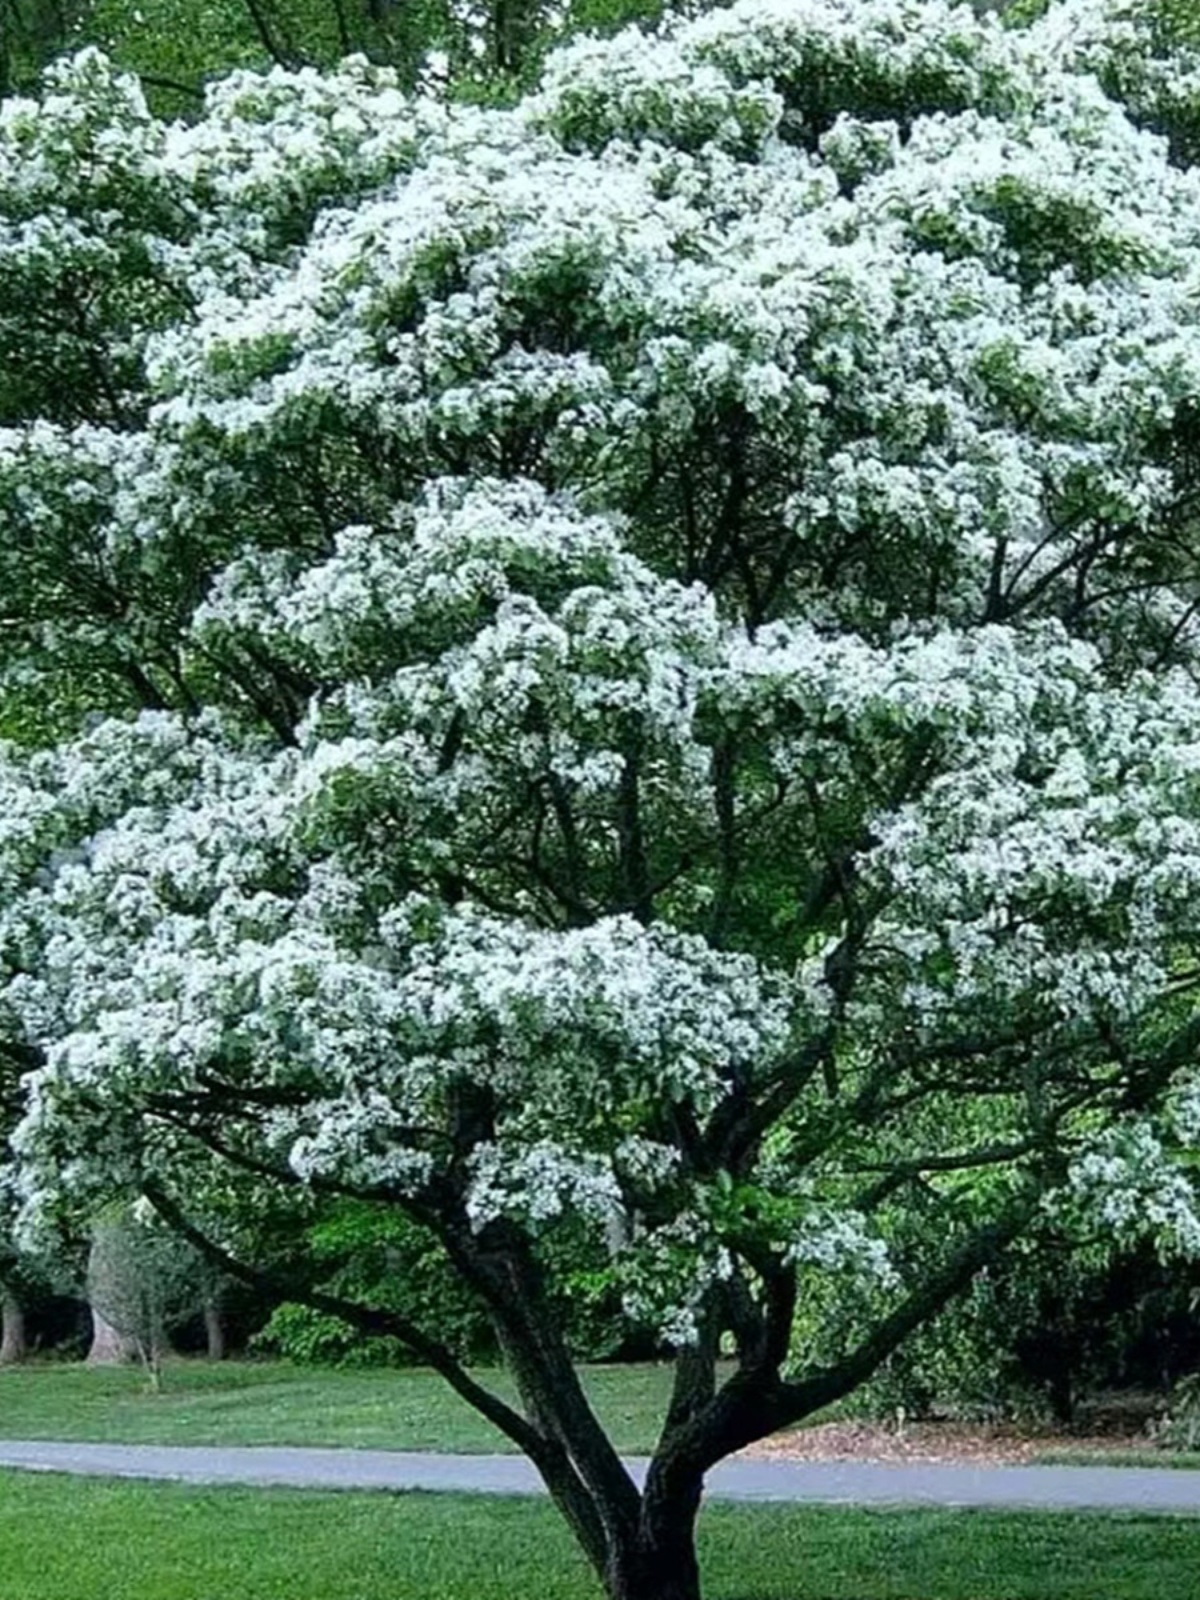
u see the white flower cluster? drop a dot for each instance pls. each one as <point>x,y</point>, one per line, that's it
<point>679,580</point>
<point>1130,49</point>
<point>541,1180</point>
<point>838,1242</point>
<point>1128,1186</point>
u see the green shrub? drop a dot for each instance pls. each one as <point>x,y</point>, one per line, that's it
<point>379,1257</point>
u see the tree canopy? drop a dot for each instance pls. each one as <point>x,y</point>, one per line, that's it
<point>627,660</point>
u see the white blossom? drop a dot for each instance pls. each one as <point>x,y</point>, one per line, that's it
<point>548,633</point>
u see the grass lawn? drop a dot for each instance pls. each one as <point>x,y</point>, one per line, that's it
<point>272,1403</point>
<point>74,1539</point>
<point>407,1408</point>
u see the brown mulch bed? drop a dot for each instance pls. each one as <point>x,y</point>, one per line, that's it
<point>994,1444</point>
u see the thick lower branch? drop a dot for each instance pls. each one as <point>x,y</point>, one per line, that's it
<point>500,1266</point>
<point>756,1402</point>
<point>369,1319</point>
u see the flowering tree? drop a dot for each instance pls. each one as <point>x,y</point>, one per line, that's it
<point>627,661</point>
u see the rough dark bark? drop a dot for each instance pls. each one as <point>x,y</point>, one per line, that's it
<point>109,1348</point>
<point>13,1342</point>
<point>655,1576</point>
<point>660,1563</point>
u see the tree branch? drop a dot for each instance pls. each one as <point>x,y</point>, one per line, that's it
<point>282,55</point>
<point>755,1402</point>
<point>368,1319</point>
<point>635,871</point>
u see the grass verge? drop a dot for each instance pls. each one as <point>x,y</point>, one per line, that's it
<point>1182,1460</point>
<point>71,1539</point>
<point>242,1403</point>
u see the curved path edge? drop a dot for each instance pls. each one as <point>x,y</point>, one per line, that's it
<point>864,1483</point>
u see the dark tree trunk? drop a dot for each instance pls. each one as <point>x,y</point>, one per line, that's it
<point>659,1561</point>
<point>13,1345</point>
<point>655,1575</point>
<point>214,1330</point>
<point>640,1545</point>
<point>1061,1390</point>
<point>653,1582</point>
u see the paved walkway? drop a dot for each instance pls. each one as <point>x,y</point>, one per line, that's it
<point>848,1482</point>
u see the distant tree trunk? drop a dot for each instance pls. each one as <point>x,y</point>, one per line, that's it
<point>109,1347</point>
<point>214,1329</point>
<point>1061,1390</point>
<point>161,1346</point>
<point>13,1345</point>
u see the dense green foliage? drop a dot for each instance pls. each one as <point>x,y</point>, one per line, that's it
<point>484,48</point>
<point>1059,1327</point>
<point>378,1258</point>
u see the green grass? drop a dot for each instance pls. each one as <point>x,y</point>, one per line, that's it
<point>1181,1460</point>
<point>253,1402</point>
<point>74,1539</point>
<point>272,1403</point>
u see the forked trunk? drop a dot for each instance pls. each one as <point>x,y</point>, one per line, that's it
<point>660,1563</point>
<point>13,1345</point>
<point>652,1580</point>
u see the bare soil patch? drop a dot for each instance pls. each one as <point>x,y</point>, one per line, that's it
<point>946,1441</point>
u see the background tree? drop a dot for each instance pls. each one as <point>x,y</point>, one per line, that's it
<point>14,1344</point>
<point>141,1281</point>
<point>640,653</point>
<point>32,32</point>
<point>481,48</point>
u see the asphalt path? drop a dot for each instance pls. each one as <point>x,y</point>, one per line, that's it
<point>864,1483</point>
